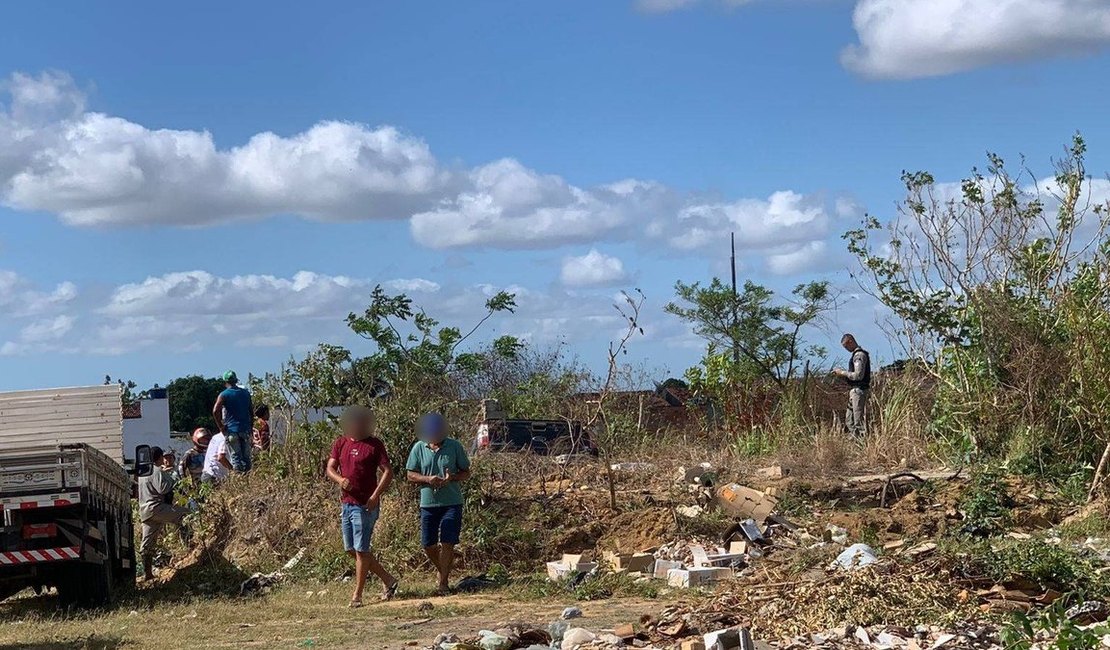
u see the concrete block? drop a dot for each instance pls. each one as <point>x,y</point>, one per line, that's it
<point>696,576</point>
<point>663,566</point>
<point>562,570</point>
<point>630,562</point>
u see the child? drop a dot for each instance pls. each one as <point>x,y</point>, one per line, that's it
<point>356,458</point>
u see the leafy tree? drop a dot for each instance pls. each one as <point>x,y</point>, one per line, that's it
<point>764,333</point>
<point>416,365</point>
<point>128,396</point>
<point>191,399</point>
<point>1002,289</point>
<point>425,347</point>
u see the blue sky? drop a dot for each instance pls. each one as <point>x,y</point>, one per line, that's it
<point>187,189</point>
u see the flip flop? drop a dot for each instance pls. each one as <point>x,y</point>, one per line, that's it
<point>390,591</point>
<point>354,604</point>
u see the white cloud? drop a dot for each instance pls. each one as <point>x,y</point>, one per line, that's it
<point>50,329</point>
<point>593,269</point>
<point>808,257</point>
<point>199,293</point>
<point>511,206</point>
<point>785,217</point>
<point>412,285</point>
<point>19,297</point>
<point>94,169</point>
<point>919,38</point>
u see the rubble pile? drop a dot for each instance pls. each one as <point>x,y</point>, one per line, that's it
<point>780,585</point>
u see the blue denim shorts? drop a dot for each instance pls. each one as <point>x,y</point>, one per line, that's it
<point>357,523</point>
<point>440,525</point>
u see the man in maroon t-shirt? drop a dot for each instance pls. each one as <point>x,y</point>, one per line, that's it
<point>356,458</point>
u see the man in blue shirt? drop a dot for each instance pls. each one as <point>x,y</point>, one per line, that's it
<point>235,419</point>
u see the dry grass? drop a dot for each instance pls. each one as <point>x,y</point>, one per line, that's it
<point>288,617</point>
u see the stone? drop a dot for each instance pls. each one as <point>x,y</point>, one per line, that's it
<point>576,636</point>
<point>493,641</point>
<point>571,612</point>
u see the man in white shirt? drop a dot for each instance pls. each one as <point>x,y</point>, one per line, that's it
<point>217,465</point>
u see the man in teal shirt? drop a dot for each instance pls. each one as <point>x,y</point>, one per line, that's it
<point>439,464</point>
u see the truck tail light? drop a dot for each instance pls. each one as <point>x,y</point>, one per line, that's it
<point>483,436</point>
<point>39,531</point>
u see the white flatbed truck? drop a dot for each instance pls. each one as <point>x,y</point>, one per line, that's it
<point>65,495</point>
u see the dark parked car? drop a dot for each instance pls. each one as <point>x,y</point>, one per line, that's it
<point>547,437</point>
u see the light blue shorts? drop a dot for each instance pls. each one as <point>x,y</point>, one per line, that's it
<point>357,523</point>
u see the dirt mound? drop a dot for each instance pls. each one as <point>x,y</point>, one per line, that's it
<point>639,530</point>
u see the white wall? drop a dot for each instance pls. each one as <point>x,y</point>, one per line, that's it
<point>153,428</point>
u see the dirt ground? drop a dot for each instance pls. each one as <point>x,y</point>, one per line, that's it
<point>290,618</point>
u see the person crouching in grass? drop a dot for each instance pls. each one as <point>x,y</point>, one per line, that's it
<point>356,458</point>
<point>439,465</point>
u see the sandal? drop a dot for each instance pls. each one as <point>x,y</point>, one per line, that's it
<point>390,591</point>
<point>355,603</point>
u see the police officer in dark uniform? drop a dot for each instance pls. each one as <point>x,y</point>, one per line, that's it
<point>858,376</point>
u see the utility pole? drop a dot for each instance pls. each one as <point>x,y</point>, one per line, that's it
<point>735,300</point>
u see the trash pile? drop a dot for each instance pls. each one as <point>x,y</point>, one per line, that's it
<point>697,562</point>
<point>559,635</point>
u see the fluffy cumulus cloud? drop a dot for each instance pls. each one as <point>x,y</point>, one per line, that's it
<point>593,269</point>
<point>94,169</point>
<point>50,329</point>
<point>20,297</point>
<point>919,38</point>
<point>807,258</point>
<point>201,294</point>
<point>783,218</point>
<point>509,205</point>
<point>190,311</point>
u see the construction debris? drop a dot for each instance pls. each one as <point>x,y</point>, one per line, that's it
<point>568,566</point>
<point>745,503</point>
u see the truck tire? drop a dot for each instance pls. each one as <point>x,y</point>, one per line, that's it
<point>86,586</point>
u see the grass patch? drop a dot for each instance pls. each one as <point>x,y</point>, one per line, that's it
<point>1096,524</point>
<point>1034,562</point>
<point>986,504</point>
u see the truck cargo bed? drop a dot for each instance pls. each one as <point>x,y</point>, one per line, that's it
<point>62,416</point>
